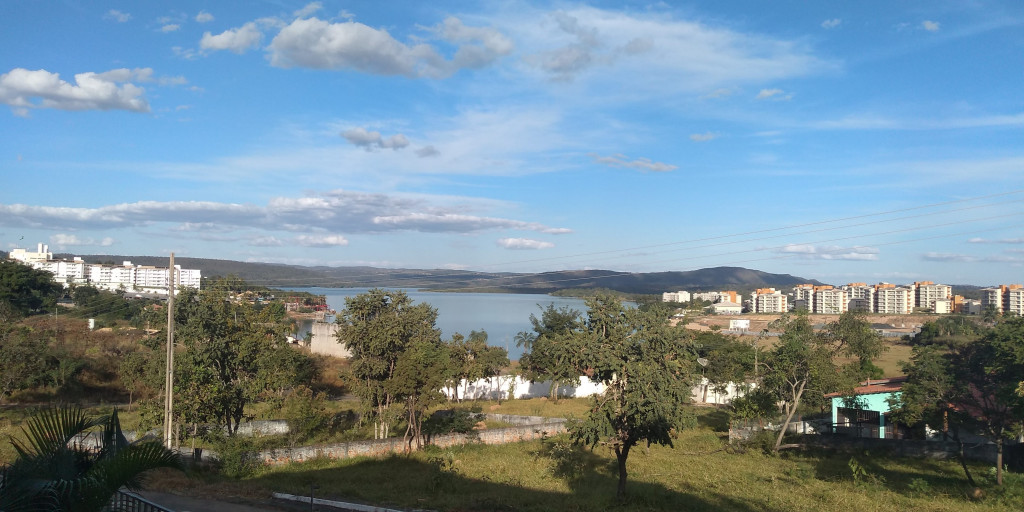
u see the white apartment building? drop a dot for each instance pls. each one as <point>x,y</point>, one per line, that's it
<point>831,301</point>
<point>723,296</point>
<point>804,294</point>
<point>893,300</point>
<point>992,297</point>
<point>680,296</point>
<point>108,277</point>
<point>861,297</point>
<point>1014,301</point>
<point>768,300</point>
<point>927,292</point>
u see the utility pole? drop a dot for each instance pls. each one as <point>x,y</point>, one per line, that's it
<point>169,381</point>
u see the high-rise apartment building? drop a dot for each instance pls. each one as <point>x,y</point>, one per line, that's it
<point>768,300</point>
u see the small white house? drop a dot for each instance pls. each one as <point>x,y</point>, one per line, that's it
<point>739,325</point>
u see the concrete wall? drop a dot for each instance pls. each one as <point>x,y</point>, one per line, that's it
<point>325,342</point>
<point>379,447</point>
<point>904,447</point>
<point>497,388</point>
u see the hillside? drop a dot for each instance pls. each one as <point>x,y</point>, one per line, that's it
<point>279,275</point>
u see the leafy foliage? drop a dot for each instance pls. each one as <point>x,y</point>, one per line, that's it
<point>25,290</point>
<point>637,356</point>
<point>55,470</point>
<point>553,350</point>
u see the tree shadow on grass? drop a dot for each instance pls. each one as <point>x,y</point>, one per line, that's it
<point>411,483</point>
<point>714,419</point>
<point>930,475</point>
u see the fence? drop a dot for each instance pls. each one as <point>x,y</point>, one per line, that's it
<point>125,501</point>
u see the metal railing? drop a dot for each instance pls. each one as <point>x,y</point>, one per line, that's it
<point>125,501</point>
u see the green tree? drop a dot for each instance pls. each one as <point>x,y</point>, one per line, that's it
<point>800,366</point>
<point>553,350</point>
<point>648,377</point>
<point>55,470</point>
<point>233,355</point>
<point>22,358</point>
<point>378,327</point>
<point>972,386</point>
<point>25,290</point>
<point>853,337</point>
<point>420,373</point>
<point>474,359</point>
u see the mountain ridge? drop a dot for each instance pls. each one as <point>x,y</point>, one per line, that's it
<point>278,275</point>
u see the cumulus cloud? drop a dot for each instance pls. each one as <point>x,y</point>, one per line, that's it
<point>333,212</point>
<point>774,94</point>
<point>588,48</point>
<point>25,89</point>
<point>830,252</point>
<point>319,44</point>
<point>643,164</point>
<point>703,137</point>
<point>832,23</point>
<point>931,26</point>
<point>172,27</point>
<point>369,140</point>
<point>308,9</point>
<point>524,243</point>
<point>427,151</point>
<point>321,240</point>
<point>62,241</point>
<point>238,40</point>
<point>204,17</point>
<point>118,16</point>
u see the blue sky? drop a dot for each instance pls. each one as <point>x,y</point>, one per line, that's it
<point>840,141</point>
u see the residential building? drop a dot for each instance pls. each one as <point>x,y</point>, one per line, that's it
<point>927,292</point>
<point>1005,298</point>
<point>768,300</point>
<point>1014,302</point>
<point>723,296</point>
<point>865,412</point>
<point>832,301</point>
<point>108,277</point>
<point>680,296</point>
<point>803,296</point>
<point>893,300</point>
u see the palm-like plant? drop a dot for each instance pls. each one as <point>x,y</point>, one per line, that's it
<point>57,469</point>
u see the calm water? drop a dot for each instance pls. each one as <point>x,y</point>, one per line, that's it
<point>502,315</point>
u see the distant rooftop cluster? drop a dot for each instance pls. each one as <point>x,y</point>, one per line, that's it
<point>885,298</point>
<point>125,277</point>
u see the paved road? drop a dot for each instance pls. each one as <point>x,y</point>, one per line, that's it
<point>189,504</point>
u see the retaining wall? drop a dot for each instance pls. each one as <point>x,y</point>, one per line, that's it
<point>379,447</point>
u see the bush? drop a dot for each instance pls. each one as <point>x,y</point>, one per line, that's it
<point>306,413</point>
<point>236,455</point>
<point>451,421</point>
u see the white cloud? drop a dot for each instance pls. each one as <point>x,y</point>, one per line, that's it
<point>703,137</point>
<point>644,164</point>
<point>948,257</point>
<point>118,16</point>
<point>321,240</point>
<point>882,122</point>
<point>830,252</point>
<point>774,94</point>
<point>671,54</point>
<point>238,40</point>
<point>931,26</point>
<point>318,44</point>
<point>721,92</point>
<point>25,89</point>
<point>369,140</point>
<point>170,28</point>
<point>832,23</point>
<point>334,211</point>
<point>308,9</point>
<point>524,243</point>
<point>999,241</point>
<point>266,241</point>
<point>204,17</point>
<point>62,241</point>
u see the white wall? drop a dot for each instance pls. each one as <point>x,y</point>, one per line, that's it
<point>496,388</point>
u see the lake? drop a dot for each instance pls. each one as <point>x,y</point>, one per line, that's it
<point>502,315</point>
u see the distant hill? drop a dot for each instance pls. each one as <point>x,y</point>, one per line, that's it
<point>279,275</point>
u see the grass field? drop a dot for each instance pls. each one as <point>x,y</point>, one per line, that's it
<point>695,475</point>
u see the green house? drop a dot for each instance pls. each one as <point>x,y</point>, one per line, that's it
<point>865,412</point>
